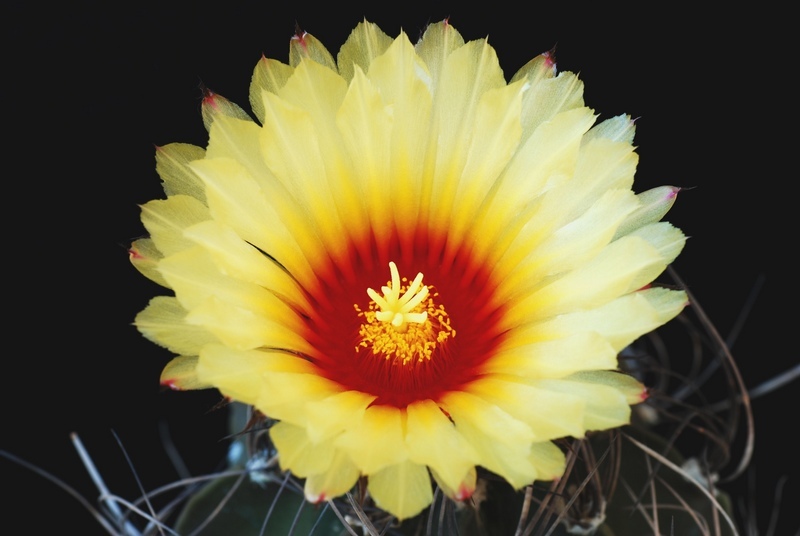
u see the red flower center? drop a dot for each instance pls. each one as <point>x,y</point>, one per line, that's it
<point>416,340</point>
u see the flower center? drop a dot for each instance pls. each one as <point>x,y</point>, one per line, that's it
<point>404,324</point>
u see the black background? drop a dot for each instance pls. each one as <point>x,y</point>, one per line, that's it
<point>90,90</point>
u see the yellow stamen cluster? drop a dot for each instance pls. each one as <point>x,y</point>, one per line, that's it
<point>404,324</point>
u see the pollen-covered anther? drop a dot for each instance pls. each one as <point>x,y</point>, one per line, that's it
<point>404,323</point>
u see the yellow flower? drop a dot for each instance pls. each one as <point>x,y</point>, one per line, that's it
<point>413,265</point>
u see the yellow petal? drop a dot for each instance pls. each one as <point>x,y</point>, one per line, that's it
<point>365,128</point>
<point>297,452</point>
<point>550,152</point>
<point>268,75</point>
<point>240,375</point>
<point>216,106</point>
<point>195,278</point>
<point>164,321</point>
<point>548,459</point>
<point>241,260</point>
<point>548,414</point>
<point>144,255</point>
<point>465,488</point>
<point>244,328</point>
<point>433,441</point>
<point>620,321</point>
<point>553,358</point>
<point>668,241</point>
<point>381,428</point>
<point>172,166</point>
<point>606,405</point>
<point>653,205</point>
<point>609,275</point>
<point>365,43</point>
<point>501,441</point>
<point>438,41</point>
<point>496,134</point>
<point>181,374</point>
<point>618,128</point>
<point>330,416</point>
<point>166,219</point>
<point>467,74</point>
<point>237,200</point>
<point>304,46</point>
<point>341,476</point>
<point>404,489</point>
<point>290,143</point>
<point>633,391</point>
<point>286,395</point>
<point>404,84</point>
<point>547,97</point>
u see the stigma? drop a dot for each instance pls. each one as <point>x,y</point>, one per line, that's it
<point>398,310</point>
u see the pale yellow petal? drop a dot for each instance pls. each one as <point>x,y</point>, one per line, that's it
<point>241,375</point>
<point>603,164</point>
<point>467,74</point>
<point>268,75</point>
<point>548,459</point>
<point>286,395</point>
<point>404,489</point>
<point>172,166</point>
<point>144,255</point>
<point>231,138</point>
<point>633,391</point>
<point>381,428</point>
<point>668,241</point>
<point>341,476</point>
<point>496,135</point>
<point>244,328</point>
<point>216,106</point>
<point>553,358</point>
<point>465,488</point>
<point>606,406</point>
<point>239,259</point>
<point>332,415</point>
<point>551,151</point>
<point>538,69</point>
<point>290,143</point>
<point>365,43</point>
<point>304,46</point>
<point>166,219</point>
<point>604,278</point>
<point>620,321</point>
<point>501,441</point>
<point>163,321</point>
<point>548,97</point>
<point>547,414</point>
<point>181,374</point>
<point>653,205</point>
<point>404,84</point>
<point>618,128</point>
<point>433,441</point>
<point>296,451</point>
<point>195,278</point>
<point>365,128</point>
<point>544,248</point>
<point>438,41</point>
<point>236,200</point>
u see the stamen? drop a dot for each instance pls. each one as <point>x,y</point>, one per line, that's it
<point>404,325</point>
<point>396,309</point>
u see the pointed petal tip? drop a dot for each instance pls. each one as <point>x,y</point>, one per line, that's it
<point>170,384</point>
<point>464,492</point>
